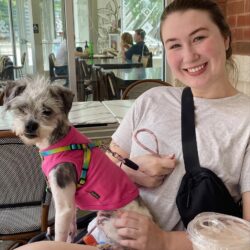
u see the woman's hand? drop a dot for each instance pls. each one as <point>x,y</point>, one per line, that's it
<point>154,165</point>
<point>152,169</point>
<point>139,231</point>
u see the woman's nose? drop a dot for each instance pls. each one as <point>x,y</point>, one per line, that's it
<point>190,54</point>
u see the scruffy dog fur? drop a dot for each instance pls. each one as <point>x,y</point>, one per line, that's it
<point>40,112</point>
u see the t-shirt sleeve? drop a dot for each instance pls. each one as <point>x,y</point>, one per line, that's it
<point>245,173</point>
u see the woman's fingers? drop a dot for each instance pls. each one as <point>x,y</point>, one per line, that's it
<point>157,166</point>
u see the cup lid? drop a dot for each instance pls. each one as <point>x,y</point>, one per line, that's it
<point>215,229</point>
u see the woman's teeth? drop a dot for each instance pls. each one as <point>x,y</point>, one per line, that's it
<point>195,69</point>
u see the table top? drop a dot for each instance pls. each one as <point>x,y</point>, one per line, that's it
<point>97,120</point>
<point>127,76</point>
<point>118,108</point>
<point>91,112</point>
<point>115,63</point>
<point>81,114</point>
<point>98,56</point>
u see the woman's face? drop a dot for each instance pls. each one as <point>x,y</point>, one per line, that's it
<point>195,49</point>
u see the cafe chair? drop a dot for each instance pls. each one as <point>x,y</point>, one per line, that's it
<point>53,75</point>
<point>6,69</point>
<point>137,88</point>
<point>112,89</point>
<point>18,69</point>
<point>25,207</point>
<point>83,78</point>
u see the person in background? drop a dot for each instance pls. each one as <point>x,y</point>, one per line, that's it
<point>61,62</point>
<point>126,41</point>
<point>139,48</point>
<point>189,31</point>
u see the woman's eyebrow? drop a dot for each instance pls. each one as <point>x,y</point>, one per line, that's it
<point>197,30</point>
<point>191,34</point>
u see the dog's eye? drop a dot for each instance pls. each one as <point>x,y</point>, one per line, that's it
<point>47,112</point>
<point>22,110</point>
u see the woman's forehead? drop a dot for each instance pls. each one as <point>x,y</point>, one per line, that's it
<point>181,23</point>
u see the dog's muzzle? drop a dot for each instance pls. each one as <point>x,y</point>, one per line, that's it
<point>30,129</point>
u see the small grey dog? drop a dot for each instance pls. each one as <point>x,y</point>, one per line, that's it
<point>40,111</point>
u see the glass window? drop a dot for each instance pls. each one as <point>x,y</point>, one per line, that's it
<point>5,35</point>
<point>145,14</point>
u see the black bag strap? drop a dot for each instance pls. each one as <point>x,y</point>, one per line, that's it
<point>189,145</point>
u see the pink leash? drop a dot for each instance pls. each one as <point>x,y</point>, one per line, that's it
<point>142,145</point>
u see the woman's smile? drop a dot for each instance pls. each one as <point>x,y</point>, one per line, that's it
<point>196,70</point>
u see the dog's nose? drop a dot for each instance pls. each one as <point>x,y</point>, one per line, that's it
<point>31,126</point>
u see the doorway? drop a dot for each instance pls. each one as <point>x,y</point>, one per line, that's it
<point>16,32</point>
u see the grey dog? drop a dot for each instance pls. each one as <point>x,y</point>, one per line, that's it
<point>40,111</point>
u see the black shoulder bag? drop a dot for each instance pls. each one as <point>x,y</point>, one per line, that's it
<point>201,190</point>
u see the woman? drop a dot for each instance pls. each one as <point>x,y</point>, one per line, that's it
<point>197,41</point>
<point>126,41</point>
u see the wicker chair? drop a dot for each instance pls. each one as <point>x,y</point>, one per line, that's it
<point>137,88</point>
<point>25,209</point>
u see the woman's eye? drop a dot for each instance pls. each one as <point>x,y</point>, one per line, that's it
<point>174,46</point>
<point>198,38</point>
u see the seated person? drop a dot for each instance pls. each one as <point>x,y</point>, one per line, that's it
<point>62,58</point>
<point>126,41</point>
<point>140,48</point>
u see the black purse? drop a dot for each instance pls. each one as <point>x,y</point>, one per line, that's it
<point>201,190</point>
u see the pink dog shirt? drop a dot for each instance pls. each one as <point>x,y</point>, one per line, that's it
<point>107,187</point>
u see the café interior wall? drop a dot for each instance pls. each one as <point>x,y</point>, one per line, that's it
<point>108,21</point>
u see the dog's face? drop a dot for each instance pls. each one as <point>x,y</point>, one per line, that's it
<point>40,110</point>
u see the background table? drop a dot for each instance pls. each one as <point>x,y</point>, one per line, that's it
<point>118,108</point>
<point>115,63</point>
<point>127,76</point>
<point>97,120</point>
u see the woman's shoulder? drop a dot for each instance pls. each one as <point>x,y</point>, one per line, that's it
<point>164,91</point>
<point>160,94</point>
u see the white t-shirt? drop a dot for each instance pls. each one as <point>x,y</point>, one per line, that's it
<point>223,141</point>
<point>62,54</point>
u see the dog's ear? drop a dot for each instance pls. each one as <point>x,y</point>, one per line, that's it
<point>65,94</point>
<point>12,90</point>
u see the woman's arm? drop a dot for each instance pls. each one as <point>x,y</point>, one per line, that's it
<point>53,245</point>
<point>246,205</point>
<point>152,168</point>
